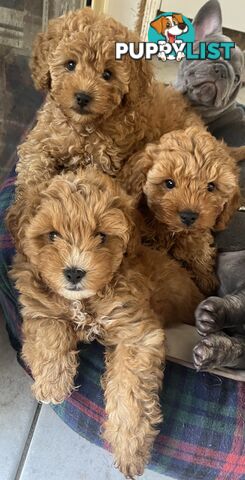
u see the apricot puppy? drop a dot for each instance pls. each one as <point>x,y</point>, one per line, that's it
<point>187,188</point>
<point>98,110</point>
<point>82,275</point>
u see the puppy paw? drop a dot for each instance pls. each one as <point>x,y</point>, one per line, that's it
<point>214,351</point>
<point>210,315</point>
<point>51,393</point>
<point>131,467</point>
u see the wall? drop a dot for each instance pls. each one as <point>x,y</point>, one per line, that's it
<point>124,11</point>
<point>233,11</point>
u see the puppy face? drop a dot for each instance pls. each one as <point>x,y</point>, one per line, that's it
<point>85,83</point>
<point>192,185</point>
<point>78,234</point>
<point>173,24</point>
<point>75,60</point>
<point>212,83</point>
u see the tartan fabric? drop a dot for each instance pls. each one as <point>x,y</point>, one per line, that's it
<point>202,436</point>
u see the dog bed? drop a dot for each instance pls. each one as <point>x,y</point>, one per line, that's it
<point>202,433</point>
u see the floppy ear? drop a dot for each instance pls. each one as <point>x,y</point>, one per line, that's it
<point>238,153</point>
<point>134,173</point>
<point>19,215</point>
<point>131,234</point>
<point>159,25</point>
<point>229,209</point>
<point>44,44</point>
<point>208,20</point>
<point>133,220</point>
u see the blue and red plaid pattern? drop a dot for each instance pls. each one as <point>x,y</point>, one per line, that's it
<point>202,436</point>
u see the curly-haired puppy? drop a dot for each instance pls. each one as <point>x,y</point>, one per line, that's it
<point>82,276</point>
<point>98,109</point>
<point>188,187</point>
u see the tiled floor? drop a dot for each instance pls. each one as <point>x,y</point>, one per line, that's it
<point>34,443</point>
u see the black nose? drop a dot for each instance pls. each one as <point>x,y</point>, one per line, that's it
<point>74,275</point>
<point>82,99</point>
<point>188,217</point>
<point>182,26</point>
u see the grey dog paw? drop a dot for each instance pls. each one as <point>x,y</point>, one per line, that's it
<point>216,350</point>
<point>204,354</point>
<point>210,315</point>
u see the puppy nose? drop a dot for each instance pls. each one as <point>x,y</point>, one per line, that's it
<point>182,26</point>
<point>188,217</point>
<point>83,98</point>
<point>74,275</point>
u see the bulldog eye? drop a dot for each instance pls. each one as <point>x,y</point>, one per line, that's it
<point>107,75</point>
<point>237,78</point>
<point>70,65</point>
<point>102,237</point>
<point>169,183</point>
<point>53,235</point>
<point>211,186</point>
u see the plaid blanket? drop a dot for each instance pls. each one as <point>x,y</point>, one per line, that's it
<point>202,436</point>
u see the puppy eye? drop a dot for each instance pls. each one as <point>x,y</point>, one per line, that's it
<point>107,75</point>
<point>53,235</point>
<point>237,78</point>
<point>169,183</point>
<point>102,237</point>
<point>70,65</point>
<point>211,186</point>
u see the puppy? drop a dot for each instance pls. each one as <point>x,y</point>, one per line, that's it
<point>83,275</point>
<point>187,187</point>
<point>212,86</point>
<point>98,110</point>
<point>170,26</point>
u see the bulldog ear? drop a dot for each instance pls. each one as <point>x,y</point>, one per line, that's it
<point>208,21</point>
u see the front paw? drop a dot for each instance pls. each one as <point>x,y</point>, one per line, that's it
<point>131,448</point>
<point>215,351</point>
<point>131,466</point>
<point>47,392</point>
<point>205,354</point>
<point>210,315</point>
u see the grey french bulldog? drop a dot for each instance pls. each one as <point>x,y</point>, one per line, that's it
<point>212,87</point>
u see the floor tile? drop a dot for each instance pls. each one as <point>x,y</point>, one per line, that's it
<point>17,408</point>
<point>58,453</point>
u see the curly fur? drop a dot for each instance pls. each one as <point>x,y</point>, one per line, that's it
<point>128,294</point>
<point>192,159</point>
<point>125,113</point>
